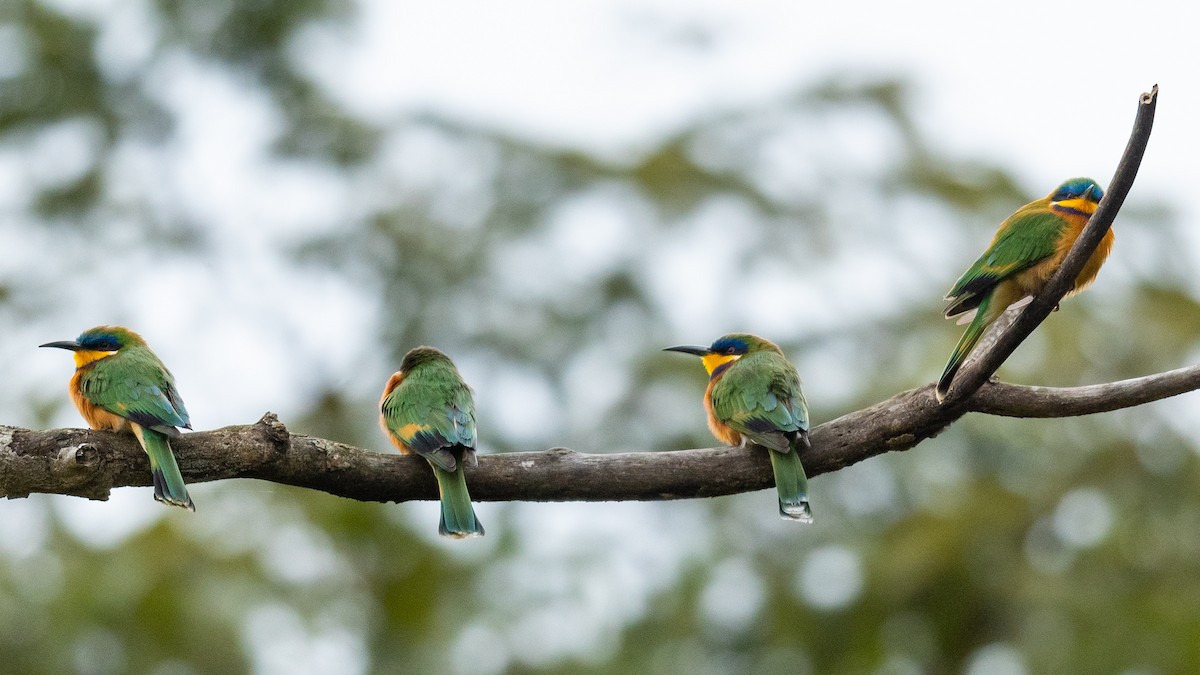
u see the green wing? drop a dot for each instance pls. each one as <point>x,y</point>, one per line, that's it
<point>760,397</point>
<point>431,411</point>
<point>137,386</point>
<point>1028,236</point>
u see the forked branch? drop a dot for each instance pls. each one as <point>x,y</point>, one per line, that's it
<point>990,356</point>
<point>90,463</point>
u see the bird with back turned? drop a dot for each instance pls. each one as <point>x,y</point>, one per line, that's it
<point>428,410</point>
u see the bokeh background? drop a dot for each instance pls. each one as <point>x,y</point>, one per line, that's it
<point>285,196</point>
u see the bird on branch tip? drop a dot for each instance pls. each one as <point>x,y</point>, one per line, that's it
<point>754,397</point>
<point>1028,248</point>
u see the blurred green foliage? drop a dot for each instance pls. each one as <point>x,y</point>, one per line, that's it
<point>829,219</point>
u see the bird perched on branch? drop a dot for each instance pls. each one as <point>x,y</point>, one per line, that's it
<point>427,409</point>
<point>120,385</point>
<point>1028,249</point>
<point>754,396</point>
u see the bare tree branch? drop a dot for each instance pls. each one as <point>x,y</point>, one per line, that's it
<point>89,463</point>
<point>1010,400</point>
<point>989,356</point>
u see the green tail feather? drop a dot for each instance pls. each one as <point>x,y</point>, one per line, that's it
<point>458,516</point>
<point>168,482</point>
<point>792,486</point>
<point>965,344</point>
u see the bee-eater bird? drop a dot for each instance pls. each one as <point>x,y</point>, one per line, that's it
<point>754,396</point>
<point>1028,249</point>
<point>120,385</point>
<point>427,409</point>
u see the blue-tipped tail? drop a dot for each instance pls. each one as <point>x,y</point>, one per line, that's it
<point>792,486</point>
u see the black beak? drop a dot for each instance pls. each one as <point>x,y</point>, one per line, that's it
<point>64,344</point>
<point>689,349</point>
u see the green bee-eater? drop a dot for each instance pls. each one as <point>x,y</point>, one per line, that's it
<point>120,385</point>
<point>426,408</point>
<point>754,396</point>
<point>1027,250</point>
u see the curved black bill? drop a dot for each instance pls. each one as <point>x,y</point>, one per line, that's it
<point>64,344</point>
<point>689,349</point>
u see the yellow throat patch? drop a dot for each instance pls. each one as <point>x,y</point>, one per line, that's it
<point>86,356</point>
<point>1078,205</point>
<point>714,361</point>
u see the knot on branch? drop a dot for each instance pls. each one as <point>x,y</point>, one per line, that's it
<point>80,469</point>
<point>83,455</point>
<point>274,431</point>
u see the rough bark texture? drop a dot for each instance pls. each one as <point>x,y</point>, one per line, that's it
<point>89,464</point>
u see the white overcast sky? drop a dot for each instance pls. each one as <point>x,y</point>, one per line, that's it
<point>1048,88</point>
<point>1045,89</point>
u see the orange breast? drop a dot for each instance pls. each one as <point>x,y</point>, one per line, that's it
<point>1032,280</point>
<point>723,432</point>
<point>94,415</point>
<point>1092,267</point>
